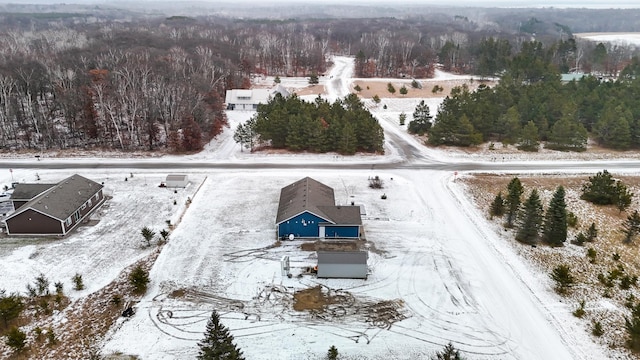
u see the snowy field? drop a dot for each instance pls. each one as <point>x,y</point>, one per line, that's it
<point>439,272</point>
<point>624,39</point>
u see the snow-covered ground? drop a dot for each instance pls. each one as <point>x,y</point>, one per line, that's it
<point>437,268</point>
<point>616,38</point>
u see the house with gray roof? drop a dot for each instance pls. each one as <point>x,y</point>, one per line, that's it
<point>244,99</point>
<point>307,209</point>
<point>53,209</point>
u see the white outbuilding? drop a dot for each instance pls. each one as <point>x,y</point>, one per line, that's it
<point>177,181</point>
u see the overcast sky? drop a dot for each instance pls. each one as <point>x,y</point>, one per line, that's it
<point>597,4</point>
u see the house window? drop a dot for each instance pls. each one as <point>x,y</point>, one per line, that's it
<point>89,203</point>
<point>68,221</point>
<point>97,196</point>
<point>84,206</point>
<point>76,215</point>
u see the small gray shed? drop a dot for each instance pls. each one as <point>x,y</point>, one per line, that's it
<point>176,181</point>
<point>342,264</point>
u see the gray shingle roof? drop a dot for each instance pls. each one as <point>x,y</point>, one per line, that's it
<point>342,257</point>
<point>29,191</point>
<point>311,195</point>
<point>64,198</point>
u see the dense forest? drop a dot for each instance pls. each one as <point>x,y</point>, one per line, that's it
<point>344,126</point>
<point>531,104</point>
<point>75,76</point>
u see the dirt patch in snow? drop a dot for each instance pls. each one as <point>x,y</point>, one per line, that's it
<point>370,88</point>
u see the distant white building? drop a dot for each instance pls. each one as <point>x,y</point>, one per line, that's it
<point>176,181</point>
<point>242,99</point>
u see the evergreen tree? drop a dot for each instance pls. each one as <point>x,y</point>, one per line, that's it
<point>332,354</point>
<point>554,231</point>
<point>148,235</point>
<point>513,200</point>
<point>16,339</point>
<point>512,127</point>
<point>10,307</point>
<point>633,328</point>
<point>403,118</point>
<point>403,90</point>
<point>529,139</point>
<point>602,189</point>
<point>313,79</point>
<point>391,89</point>
<point>449,352</point>
<point>613,128</point>
<point>563,278</point>
<point>497,206</point>
<point>531,219</point>
<point>421,119</point>
<point>567,134</point>
<point>592,232</point>
<point>631,227</point>
<point>622,196</point>
<point>139,279</point>
<point>218,342</point>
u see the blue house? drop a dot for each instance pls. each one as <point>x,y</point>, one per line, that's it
<point>307,209</point>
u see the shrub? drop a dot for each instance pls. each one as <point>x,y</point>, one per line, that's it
<point>59,287</point>
<point>391,88</point>
<point>572,219</point>
<point>16,339</point>
<point>11,307</point>
<point>591,254</point>
<point>563,278</point>
<point>579,312</point>
<point>597,329</point>
<point>51,337</point>
<point>357,88</point>
<point>78,284</point>
<point>579,240</point>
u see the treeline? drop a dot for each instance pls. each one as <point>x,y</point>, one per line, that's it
<point>345,126</point>
<point>531,104</point>
<point>85,81</point>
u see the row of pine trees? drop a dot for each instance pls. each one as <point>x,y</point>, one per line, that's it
<point>344,126</point>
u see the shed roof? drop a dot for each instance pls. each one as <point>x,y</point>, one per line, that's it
<point>177,177</point>
<point>342,257</point>
<point>29,191</point>
<point>64,198</point>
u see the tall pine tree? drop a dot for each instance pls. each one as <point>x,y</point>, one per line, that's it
<point>513,201</point>
<point>531,219</point>
<point>554,231</point>
<point>218,342</point>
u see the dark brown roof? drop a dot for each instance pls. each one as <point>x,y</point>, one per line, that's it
<point>311,195</point>
<point>64,198</point>
<point>343,215</point>
<point>304,195</point>
<point>29,191</point>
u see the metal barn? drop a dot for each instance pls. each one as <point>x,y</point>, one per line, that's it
<point>307,209</point>
<point>342,264</point>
